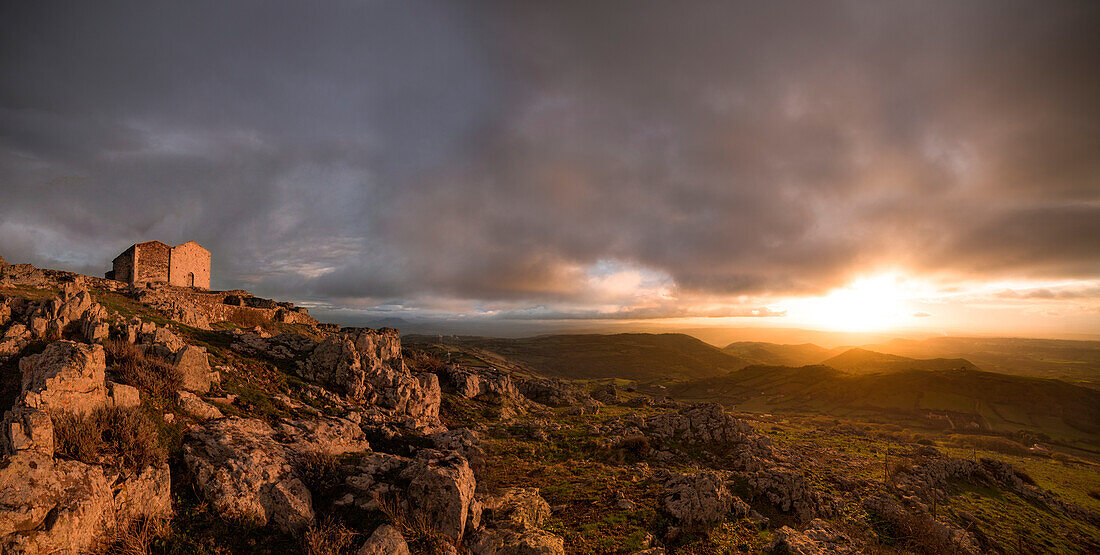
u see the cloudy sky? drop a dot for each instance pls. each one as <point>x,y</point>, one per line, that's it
<point>844,165</point>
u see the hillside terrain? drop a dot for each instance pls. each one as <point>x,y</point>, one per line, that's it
<point>773,354</point>
<point>633,356</point>
<point>860,361</point>
<point>959,399</point>
<point>1077,361</point>
<point>172,420</point>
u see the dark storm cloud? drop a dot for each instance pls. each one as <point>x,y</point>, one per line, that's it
<point>366,152</point>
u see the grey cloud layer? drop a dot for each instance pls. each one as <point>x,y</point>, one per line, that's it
<point>493,152</point>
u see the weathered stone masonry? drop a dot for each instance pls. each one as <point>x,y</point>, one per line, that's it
<point>186,265</point>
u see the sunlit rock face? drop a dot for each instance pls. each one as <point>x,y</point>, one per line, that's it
<point>366,365</point>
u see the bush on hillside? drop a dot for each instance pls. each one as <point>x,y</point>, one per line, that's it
<point>121,437</point>
<point>149,373</point>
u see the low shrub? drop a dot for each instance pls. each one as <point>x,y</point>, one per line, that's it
<point>320,472</point>
<point>122,437</point>
<point>637,445</point>
<point>147,372</point>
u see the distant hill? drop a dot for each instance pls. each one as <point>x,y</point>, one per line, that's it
<point>632,356</point>
<point>954,398</point>
<point>1075,361</point>
<point>861,361</point>
<point>773,354</point>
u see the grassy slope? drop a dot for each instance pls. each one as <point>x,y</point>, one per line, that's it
<point>633,356</point>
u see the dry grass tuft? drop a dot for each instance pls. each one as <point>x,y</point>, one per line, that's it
<point>122,437</point>
<point>330,537</point>
<point>320,472</point>
<point>137,537</point>
<point>416,528</point>
<point>149,373</point>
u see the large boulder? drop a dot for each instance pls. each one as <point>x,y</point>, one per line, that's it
<point>246,474</point>
<point>441,487</point>
<point>61,506</point>
<point>66,376</point>
<point>194,367</point>
<point>331,436</point>
<point>696,501</point>
<point>512,521</point>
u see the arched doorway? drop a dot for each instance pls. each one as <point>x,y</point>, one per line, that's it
<point>190,279</point>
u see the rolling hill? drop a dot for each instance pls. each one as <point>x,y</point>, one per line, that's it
<point>641,357</point>
<point>859,361</point>
<point>774,354</point>
<point>1074,361</point>
<point>957,398</point>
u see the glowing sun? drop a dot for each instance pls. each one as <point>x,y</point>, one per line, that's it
<point>867,304</point>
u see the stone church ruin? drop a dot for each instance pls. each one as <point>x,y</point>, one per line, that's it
<point>186,265</point>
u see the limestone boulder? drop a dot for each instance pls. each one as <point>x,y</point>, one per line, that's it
<point>65,376</point>
<point>697,501</point>
<point>14,339</point>
<point>194,366</point>
<point>386,540</point>
<point>331,436</point>
<point>246,474</point>
<point>441,487</point>
<point>512,521</point>
<point>27,429</point>
<point>496,541</point>
<point>122,395</point>
<point>194,405</point>
<point>60,506</point>
<point>703,423</point>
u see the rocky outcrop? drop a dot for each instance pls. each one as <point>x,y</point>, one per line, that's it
<point>441,487</point>
<point>819,538</point>
<point>66,376</point>
<point>49,505</point>
<point>696,501</point>
<point>511,525</point>
<point>554,392</point>
<point>465,442</point>
<point>386,540</point>
<point>703,423</point>
<point>606,394</point>
<point>246,474</point>
<point>366,365</point>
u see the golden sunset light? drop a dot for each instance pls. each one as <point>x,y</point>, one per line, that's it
<point>483,277</point>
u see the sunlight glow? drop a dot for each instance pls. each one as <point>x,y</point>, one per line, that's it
<point>867,304</point>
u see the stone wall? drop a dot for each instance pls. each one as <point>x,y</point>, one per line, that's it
<point>152,262</point>
<point>123,266</point>
<point>189,266</point>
